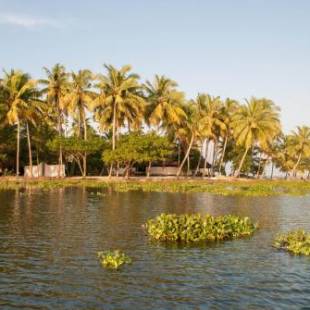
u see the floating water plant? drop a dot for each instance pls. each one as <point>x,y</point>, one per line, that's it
<point>113,259</point>
<point>196,228</point>
<point>296,242</point>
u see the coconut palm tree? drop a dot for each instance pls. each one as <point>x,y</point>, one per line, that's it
<point>165,102</point>
<point>228,109</point>
<point>33,115</point>
<point>256,122</point>
<point>194,127</point>
<point>78,101</point>
<point>213,124</point>
<point>120,100</point>
<point>300,144</point>
<point>18,93</point>
<point>56,88</point>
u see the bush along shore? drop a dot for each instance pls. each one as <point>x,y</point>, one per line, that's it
<point>296,242</point>
<point>194,228</point>
<point>217,187</point>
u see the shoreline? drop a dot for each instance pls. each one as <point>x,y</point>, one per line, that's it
<point>224,186</point>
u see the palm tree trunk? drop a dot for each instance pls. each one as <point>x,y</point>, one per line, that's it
<point>188,166</point>
<point>149,169</point>
<point>60,135</point>
<point>198,164</point>
<point>223,154</point>
<point>241,163</point>
<point>110,171</point>
<point>296,165</point>
<point>205,161</point>
<point>179,153</point>
<point>214,157</point>
<point>186,155</point>
<point>29,150</point>
<point>259,164</point>
<point>114,127</point>
<point>17,147</point>
<point>272,166</point>
<point>85,154</point>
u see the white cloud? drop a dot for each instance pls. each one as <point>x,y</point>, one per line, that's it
<point>28,21</point>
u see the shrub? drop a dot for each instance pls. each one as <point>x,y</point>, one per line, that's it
<point>113,259</point>
<point>196,228</point>
<point>296,241</point>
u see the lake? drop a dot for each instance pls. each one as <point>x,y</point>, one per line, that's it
<point>49,242</point>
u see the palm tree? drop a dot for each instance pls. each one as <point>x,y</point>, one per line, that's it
<point>18,93</point>
<point>229,107</point>
<point>120,100</point>
<point>300,144</point>
<point>256,122</point>
<point>213,124</point>
<point>78,101</point>
<point>56,88</point>
<point>194,127</point>
<point>165,102</point>
<point>32,115</point>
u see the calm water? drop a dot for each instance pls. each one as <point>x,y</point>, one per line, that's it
<point>49,240</point>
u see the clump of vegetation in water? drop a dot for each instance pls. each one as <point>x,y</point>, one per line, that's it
<point>296,242</point>
<point>196,228</point>
<point>113,259</point>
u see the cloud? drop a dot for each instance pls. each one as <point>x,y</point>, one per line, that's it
<point>28,21</point>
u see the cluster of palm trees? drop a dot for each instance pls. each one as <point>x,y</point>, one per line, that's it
<point>117,101</point>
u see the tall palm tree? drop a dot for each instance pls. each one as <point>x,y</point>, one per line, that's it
<point>120,100</point>
<point>78,101</point>
<point>32,115</point>
<point>300,144</point>
<point>213,124</point>
<point>56,87</point>
<point>256,122</point>
<point>165,102</point>
<point>18,93</point>
<point>194,127</point>
<point>228,109</point>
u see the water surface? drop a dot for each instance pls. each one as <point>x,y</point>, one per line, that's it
<point>49,241</point>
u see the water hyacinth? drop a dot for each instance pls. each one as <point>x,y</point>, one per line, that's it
<point>196,228</point>
<point>113,259</point>
<point>296,242</point>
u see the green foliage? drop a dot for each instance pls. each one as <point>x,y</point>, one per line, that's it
<point>196,228</point>
<point>138,148</point>
<point>296,242</point>
<point>76,145</point>
<point>113,259</point>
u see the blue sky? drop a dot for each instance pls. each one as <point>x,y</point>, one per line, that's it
<point>232,48</point>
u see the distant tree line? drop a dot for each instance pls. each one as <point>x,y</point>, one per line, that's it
<point>101,123</point>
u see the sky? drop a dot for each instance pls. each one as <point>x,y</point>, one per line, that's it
<point>232,48</point>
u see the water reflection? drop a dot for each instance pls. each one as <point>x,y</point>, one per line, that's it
<point>49,240</point>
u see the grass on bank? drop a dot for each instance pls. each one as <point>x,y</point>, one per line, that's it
<point>217,187</point>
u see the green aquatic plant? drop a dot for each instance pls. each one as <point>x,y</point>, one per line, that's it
<point>196,228</point>
<point>113,259</point>
<point>296,242</point>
